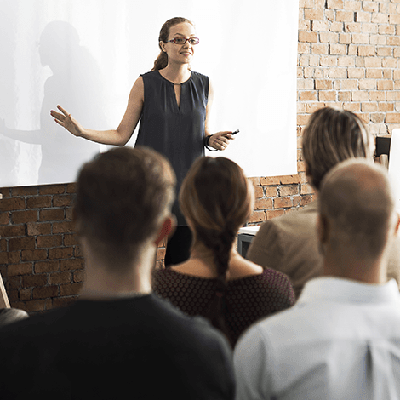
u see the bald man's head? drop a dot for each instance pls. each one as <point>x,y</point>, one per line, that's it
<point>357,200</point>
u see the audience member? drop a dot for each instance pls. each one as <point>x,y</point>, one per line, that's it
<point>4,302</point>
<point>7,313</point>
<point>216,282</point>
<point>118,340</point>
<point>289,243</point>
<point>342,338</point>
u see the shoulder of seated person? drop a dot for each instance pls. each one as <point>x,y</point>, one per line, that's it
<point>292,221</point>
<point>237,269</point>
<point>244,268</point>
<point>193,268</point>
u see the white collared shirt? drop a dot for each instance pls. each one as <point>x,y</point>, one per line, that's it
<point>340,341</point>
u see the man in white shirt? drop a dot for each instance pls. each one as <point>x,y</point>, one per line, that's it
<point>342,338</point>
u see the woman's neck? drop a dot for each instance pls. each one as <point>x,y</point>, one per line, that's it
<point>203,253</point>
<point>176,73</point>
<point>201,263</point>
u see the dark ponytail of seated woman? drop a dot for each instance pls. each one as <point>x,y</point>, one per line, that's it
<point>216,282</point>
<point>220,243</point>
<point>216,199</point>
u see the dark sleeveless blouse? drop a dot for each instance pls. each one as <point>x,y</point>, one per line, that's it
<point>176,132</point>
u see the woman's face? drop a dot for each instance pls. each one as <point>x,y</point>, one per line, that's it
<point>180,53</point>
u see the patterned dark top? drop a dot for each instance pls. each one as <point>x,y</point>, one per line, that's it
<point>248,299</point>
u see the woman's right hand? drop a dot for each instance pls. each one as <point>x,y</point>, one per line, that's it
<point>66,121</point>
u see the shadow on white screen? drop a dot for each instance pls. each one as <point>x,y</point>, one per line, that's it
<point>76,84</point>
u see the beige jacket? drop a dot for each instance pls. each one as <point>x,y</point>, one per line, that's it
<point>289,244</point>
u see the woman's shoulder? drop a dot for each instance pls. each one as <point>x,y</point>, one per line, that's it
<point>197,76</point>
<point>179,273</point>
<point>172,284</point>
<point>193,268</point>
<point>242,268</point>
<point>265,284</point>
<point>238,268</point>
<point>263,275</point>
<point>150,75</point>
<point>275,277</point>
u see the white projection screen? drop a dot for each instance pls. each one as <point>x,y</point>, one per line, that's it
<point>86,54</point>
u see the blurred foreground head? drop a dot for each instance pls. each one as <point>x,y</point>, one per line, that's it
<point>123,196</point>
<point>357,205</point>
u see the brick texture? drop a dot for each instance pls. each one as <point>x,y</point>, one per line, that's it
<point>40,258</point>
<point>348,57</point>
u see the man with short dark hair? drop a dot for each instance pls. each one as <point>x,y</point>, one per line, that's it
<point>118,340</point>
<point>342,338</point>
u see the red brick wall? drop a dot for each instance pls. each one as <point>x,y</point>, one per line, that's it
<point>39,257</point>
<point>348,56</point>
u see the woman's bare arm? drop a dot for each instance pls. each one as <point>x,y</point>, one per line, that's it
<point>116,137</point>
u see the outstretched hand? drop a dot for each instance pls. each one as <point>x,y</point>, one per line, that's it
<point>220,140</point>
<point>66,121</point>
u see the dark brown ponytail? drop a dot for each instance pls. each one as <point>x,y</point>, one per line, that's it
<point>221,244</point>
<point>216,200</point>
<point>162,60</point>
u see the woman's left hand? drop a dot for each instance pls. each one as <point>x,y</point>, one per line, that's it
<point>220,140</point>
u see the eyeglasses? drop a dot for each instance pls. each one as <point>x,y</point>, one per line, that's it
<point>182,40</point>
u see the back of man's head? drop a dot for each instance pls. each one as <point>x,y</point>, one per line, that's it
<point>330,137</point>
<point>123,195</point>
<point>358,204</point>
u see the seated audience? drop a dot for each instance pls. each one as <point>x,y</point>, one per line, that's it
<point>288,243</point>
<point>4,302</point>
<point>118,340</point>
<point>342,338</point>
<point>216,282</point>
<point>7,313</point>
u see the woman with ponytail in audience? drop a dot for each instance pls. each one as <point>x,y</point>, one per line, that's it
<point>173,105</point>
<point>216,282</point>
